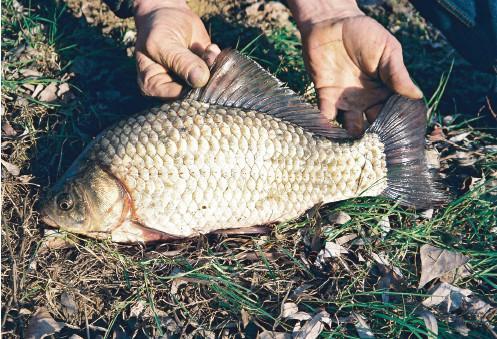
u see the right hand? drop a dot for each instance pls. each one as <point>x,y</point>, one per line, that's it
<point>172,46</point>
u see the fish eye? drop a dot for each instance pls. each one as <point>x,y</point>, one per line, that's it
<point>64,201</point>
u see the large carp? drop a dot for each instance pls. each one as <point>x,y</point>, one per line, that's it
<point>244,150</point>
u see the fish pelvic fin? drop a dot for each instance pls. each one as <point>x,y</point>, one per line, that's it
<point>401,126</point>
<point>238,81</point>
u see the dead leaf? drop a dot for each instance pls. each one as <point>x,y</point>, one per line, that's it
<point>49,93</point>
<point>383,260</point>
<point>137,309</point>
<point>362,327</point>
<point>41,324</point>
<point>437,134</point>
<point>129,37</point>
<point>291,311</point>
<point>245,317</point>
<point>63,89</point>
<point>448,297</point>
<point>478,307</point>
<point>459,137</point>
<point>27,72</point>
<point>385,227</point>
<point>459,326</point>
<point>11,168</point>
<point>346,238</point>
<point>7,129</point>
<point>37,91</point>
<point>67,300</point>
<point>447,120</point>
<point>332,249</point>
<point>313,327</point>
<point>55,240</point>
<point>452,276</point>
<point>339,218</point>
<point>435,262</point>
<point>288,309</point>
<point>432,158</point>
<point>274,335</point>
<point>430,323</point>
<point>427,214</point>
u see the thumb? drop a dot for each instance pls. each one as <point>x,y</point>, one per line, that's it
<point>328,98</point>
<point>184,63</point>
<point>394,74</point>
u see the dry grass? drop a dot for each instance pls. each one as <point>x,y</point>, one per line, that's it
<point>217,285</point>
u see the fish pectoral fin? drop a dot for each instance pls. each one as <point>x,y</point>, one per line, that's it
<point>238,81</point>
<point>131,231</point>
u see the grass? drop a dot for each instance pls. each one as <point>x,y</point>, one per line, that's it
<point>210,283</point>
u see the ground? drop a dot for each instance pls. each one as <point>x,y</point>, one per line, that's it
<point>68,72</point>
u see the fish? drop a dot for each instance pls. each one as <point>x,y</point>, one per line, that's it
<point>242,151</point>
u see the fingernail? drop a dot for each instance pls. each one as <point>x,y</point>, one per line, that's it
<point>198,76</point>
<point>419,93</point>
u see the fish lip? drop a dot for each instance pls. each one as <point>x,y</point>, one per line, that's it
<point>49,221</point>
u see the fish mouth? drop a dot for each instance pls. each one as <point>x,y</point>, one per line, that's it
<point>49,221</point>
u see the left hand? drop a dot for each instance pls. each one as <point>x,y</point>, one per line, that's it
<point>355,65</point>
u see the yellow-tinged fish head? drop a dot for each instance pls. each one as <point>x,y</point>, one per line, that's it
<point>90,202</point>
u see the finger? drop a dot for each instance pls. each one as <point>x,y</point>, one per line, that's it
<point>328,98</point>
<point>394,73</point>
<point>210,53</point>
<point>372,112</point>
<point>353,121</point>
<point>360,99</point>
<point>154,80</point>
<point>183,62</point>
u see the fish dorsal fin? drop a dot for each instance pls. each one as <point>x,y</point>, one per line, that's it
<point>238,81</point>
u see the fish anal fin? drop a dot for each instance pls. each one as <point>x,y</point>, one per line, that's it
<point>238,81</point>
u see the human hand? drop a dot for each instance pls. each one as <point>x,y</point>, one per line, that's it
<point>354,62</point>
<point>172,46</point>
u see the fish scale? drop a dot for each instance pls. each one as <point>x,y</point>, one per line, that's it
<point>192,167</point>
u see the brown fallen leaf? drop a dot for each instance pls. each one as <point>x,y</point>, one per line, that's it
<point>291,311</point>
<point>49,93</point>
<point>430,323</point>
<point>362,327</point>
<point>332,249</point>
<point>339,218</point>
<point>55,240</point>
<point>8,130</point>
<point>11,168</point>
<point>41,324</point>
<point>459,137</point>
<point>437,134</point>
<point>313,327</point>
<point>70,307</point>
<point>245,317</point>
<point>435,262</point>
<point>446,296</point>
<point>274,335</point>
<point>27,72</point>
<point>345,238</point>
<point>459,326</point>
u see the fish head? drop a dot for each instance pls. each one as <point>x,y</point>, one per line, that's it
<point>90,201</point>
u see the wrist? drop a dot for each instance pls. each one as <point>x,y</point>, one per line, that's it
<point>306,13</point>
<point>144,7</point>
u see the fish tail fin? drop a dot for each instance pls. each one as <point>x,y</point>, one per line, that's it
<point>401,126</point>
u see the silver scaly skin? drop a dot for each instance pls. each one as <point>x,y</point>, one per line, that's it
<point>192,168</point>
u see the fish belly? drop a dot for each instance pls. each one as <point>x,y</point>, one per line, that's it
<point>192,168</point>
